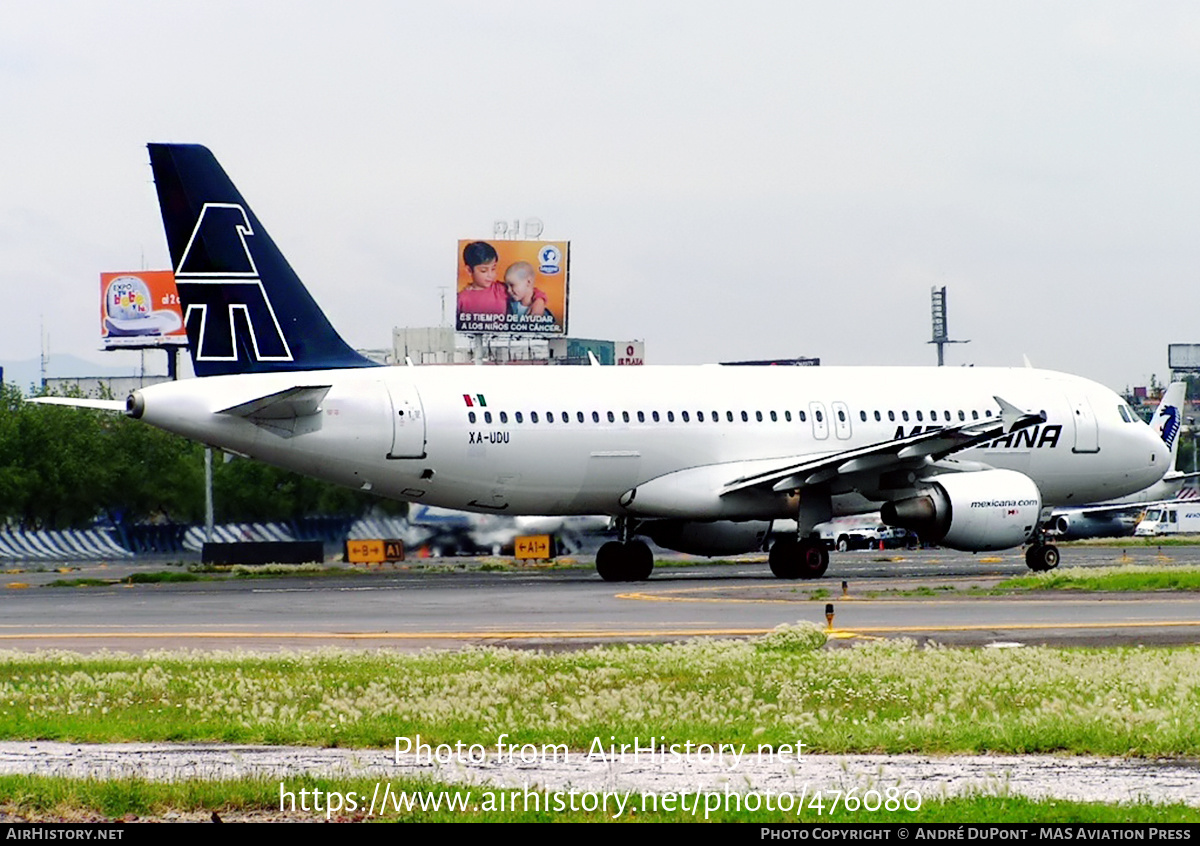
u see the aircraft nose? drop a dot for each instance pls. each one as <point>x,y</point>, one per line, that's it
<point>1160,455</point>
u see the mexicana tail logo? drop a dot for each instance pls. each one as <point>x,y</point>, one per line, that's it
<point>227,308</point>
<point>1169,429</point>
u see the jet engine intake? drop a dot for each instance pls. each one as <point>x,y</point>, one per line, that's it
<point>973,512</point>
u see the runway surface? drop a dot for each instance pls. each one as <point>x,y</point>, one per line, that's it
<point>924,594</point>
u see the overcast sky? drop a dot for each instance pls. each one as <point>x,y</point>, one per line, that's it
<point>738,180</point>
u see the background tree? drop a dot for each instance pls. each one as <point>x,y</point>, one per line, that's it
<point>66,467</point>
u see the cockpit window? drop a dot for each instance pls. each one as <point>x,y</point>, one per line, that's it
<point>1124,413</point>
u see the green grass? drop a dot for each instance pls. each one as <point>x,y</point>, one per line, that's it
<point>1139,543</point>
<point>163,576</point>
<point>82,583</point>
<point>888,696</point>
<point>42,798</point>
<point>1129,577</point>
<point>1115,579</point>
<point>132,579</point>
<point>264,571</point>
<point>779,689</point>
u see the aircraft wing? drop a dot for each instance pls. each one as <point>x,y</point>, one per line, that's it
<point>1129,507</point>
<point>1180,476</point>
<point>717,491</point>
<point>1093,511</point>
<point>911,451</point>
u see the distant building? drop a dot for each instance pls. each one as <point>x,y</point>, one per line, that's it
<point>773,362</point>
<point>441,345</point>
<point>102,387</point>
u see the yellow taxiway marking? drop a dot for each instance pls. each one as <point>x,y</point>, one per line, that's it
<point>558,634</point>
<point>678,595</point>
<point>802,590</point>
<point>984,627</point>
<point>485,635</point>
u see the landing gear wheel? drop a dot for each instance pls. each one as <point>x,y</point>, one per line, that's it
<point>814,560</point>
<point>1041,557</point>
<point>782,558</point>
<point>624,562</point>
<point>641,561</point>
<point>793,559</point>
<point>608,561</point>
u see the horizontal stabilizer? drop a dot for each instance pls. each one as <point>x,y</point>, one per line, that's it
<point>81,402</point>
<point>282,405</point>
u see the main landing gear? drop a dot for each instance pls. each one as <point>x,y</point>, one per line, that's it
<point>791,558</point>
<point>628,561</point>
<point>1041,556</point>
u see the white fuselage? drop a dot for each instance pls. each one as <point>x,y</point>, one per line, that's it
<point>573,440</point>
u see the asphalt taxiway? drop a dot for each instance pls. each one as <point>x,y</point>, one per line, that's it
<point>926,594</point>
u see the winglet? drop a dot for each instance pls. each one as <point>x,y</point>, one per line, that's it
<point>1168,418</point>
<point>1014,418</point>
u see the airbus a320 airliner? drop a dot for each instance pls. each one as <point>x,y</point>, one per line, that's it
<point>700,458</point>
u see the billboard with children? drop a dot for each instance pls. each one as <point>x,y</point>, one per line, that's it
<point>140,308</point>
<point>513,287</point>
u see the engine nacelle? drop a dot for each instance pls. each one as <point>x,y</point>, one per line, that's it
<point>721,537</point>
<point>989,509</point>
<point>1077,526</point>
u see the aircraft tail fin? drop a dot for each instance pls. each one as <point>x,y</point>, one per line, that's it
<point>245,309</point>
<point>1168,419</point>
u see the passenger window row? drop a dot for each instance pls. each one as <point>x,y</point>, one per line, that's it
<point>716,417</point>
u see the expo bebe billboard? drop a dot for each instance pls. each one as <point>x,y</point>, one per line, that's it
<point>140,309</point>
<point>512,287</point>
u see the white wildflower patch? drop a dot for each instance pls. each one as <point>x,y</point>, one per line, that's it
<point>794,637</point>
<point>884,696</point>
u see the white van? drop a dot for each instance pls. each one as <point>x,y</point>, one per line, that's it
<point>863,531</point>
<point>1169,520</point>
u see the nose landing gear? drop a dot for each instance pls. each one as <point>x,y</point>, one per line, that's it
<point>1041,556</point>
